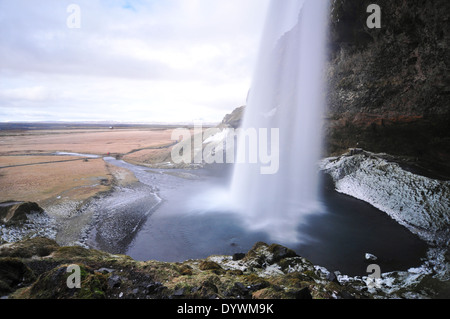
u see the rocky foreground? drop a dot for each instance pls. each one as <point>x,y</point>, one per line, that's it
<point>38,268</point>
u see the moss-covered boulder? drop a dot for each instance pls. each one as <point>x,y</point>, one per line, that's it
<point>53,285</point>
<point>12,212</point>
<point>28,248</point>
<point>13,274</point>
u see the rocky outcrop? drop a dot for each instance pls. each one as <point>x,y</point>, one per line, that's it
<point>234,119</point>
<point>389,87</point>
<point>213,140</point>
<point>13,212</point>
<point>420,203</point>
<point>38,269</point>
<point>19,220</point>
<point>266,271</point>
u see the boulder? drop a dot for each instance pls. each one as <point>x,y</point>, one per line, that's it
<point>12,212</point>
<point>38,246</point>
<point>13,273</point>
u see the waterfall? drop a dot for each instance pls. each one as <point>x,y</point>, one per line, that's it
<point>286,99</point>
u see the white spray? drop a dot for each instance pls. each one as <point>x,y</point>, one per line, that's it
<point>287,94</point>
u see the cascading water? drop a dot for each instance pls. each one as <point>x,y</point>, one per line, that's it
<point>287,95</point>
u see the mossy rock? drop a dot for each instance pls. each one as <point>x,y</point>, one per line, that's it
<point>269,293</point>
<point>280,252</point>
<point>209,265</point>
<point>185,270</point>
<point>261,254</point>
<point>13,272</point>
<point>53,285</point>
<point>28,248</point>
<point>297,264</point>
<point>13,212</point>
<point>77,252</point>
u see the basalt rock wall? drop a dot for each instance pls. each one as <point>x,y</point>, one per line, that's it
<point>389,87</point>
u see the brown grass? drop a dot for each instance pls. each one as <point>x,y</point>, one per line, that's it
<point>71,180</point>
<point>149,156</point>
<point>120,141</point>
<point>77,180</point>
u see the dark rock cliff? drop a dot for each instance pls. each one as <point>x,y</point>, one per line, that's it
<point>389,88</point>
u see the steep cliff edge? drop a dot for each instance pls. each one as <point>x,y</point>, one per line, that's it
<point>389,87</point>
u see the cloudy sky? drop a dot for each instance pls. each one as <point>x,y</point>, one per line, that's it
<point>129,60</point>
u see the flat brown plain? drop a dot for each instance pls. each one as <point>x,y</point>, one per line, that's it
<point>28,172</point>
<point>100,142</point>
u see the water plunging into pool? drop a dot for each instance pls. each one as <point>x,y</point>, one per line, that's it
<point>287,95</point>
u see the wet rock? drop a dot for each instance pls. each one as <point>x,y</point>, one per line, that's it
<point>114,281</point>
<point>331,276</point>
<point>238,256</point>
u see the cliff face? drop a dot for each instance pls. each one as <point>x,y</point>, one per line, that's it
<point>389,87</point>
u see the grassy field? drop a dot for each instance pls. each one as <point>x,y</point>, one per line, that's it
<point>29,171</point>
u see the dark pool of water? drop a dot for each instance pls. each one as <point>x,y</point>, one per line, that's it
<point>339,238</point>
<point>350,228</point>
